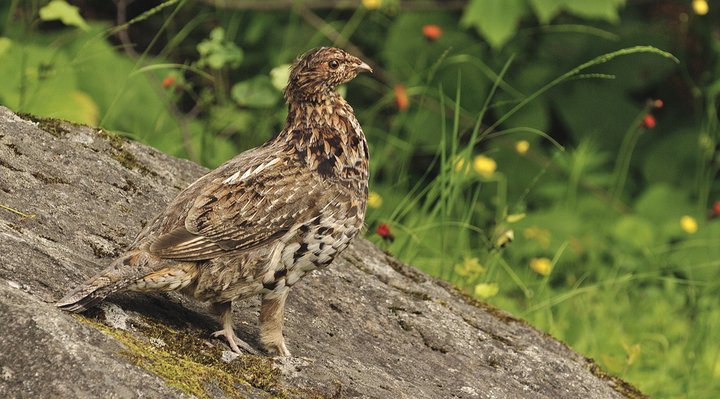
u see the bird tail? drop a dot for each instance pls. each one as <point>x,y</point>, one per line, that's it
<point>114,278</point>
<point>89,293</point>
<point>82,298</point>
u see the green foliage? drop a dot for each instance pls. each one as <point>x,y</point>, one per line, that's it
<point>518,150</point>
<point>64,12</point>
<point>497,21</point>
<point>218,53</point>
<point>257,92</point>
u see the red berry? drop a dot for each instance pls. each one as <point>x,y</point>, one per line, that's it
<point>401,98</point>
<point>716,208</point>
<point>168,81</point>
<point>432,32</point>
<point>383,230</point>
<point>649,121</point>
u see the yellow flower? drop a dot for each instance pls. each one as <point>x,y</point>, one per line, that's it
<point>515,217</point>
<point>470,266</point>
<point>700,7</point>
<point>688,224</point>
<point>522,147</point>
<point>374,200</point>
<point>484,166</point>
<point>486,290</point>
<point>372,4</point>
<point>542,236</point>
<point>542,266</point>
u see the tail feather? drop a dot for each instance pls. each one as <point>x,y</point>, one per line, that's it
<point>85,296</point>
<point>133,271</point>
<point>77,305</point>
<point>114,278</point>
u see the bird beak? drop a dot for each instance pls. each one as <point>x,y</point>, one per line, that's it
<point>363,67</point>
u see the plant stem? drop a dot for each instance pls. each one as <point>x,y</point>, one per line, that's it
<point>622,165</point>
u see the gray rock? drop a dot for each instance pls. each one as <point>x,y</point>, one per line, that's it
<point>72,197</point>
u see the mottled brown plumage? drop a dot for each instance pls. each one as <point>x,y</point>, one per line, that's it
<point>261,221</point>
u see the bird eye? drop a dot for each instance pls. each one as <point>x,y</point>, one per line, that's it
<point>334,64</point>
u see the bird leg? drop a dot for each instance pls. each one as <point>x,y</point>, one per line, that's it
<point>225,311</point>
<point>272,312</point>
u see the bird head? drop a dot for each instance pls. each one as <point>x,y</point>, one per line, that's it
<point>321,70</point>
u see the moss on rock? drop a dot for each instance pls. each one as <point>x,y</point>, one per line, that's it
<point>191,364</point>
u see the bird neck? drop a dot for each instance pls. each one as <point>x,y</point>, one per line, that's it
<point>326,97</point>
<point>317,110</point>
<point>323,132</point>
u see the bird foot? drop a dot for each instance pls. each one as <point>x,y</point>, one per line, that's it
<point>282,350</point>
<point>235,342</point>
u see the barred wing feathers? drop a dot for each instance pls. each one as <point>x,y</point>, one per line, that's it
<point>250,208</point>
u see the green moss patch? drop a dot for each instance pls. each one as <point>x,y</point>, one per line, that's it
<point>624,388</point>
<point>57,127</point>
<point>50,125</point>
<point>191,364</point>
<point>126,158</point>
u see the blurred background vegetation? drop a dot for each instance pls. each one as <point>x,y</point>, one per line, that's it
<point>526,150</point>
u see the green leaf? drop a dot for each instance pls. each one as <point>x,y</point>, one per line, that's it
<point>595,9</point>
<point>64,12</point>
<point>216,60</point>
<point>280,75</point>
<point>494,19</point>
<point>5,44</point>
<point>606,10</point>
<point>37,80</point>
<point>217,34</point>
<point>257,93</point>
<point>82,108</point>
<point>634,232</point>
<point>546,10</point>
<point>217,53</point>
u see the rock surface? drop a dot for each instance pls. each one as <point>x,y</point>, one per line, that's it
<point>368,326</point>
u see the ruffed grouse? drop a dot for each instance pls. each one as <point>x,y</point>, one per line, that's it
<point>262,220</point>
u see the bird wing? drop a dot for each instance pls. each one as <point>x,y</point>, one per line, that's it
<point>248,209</point>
